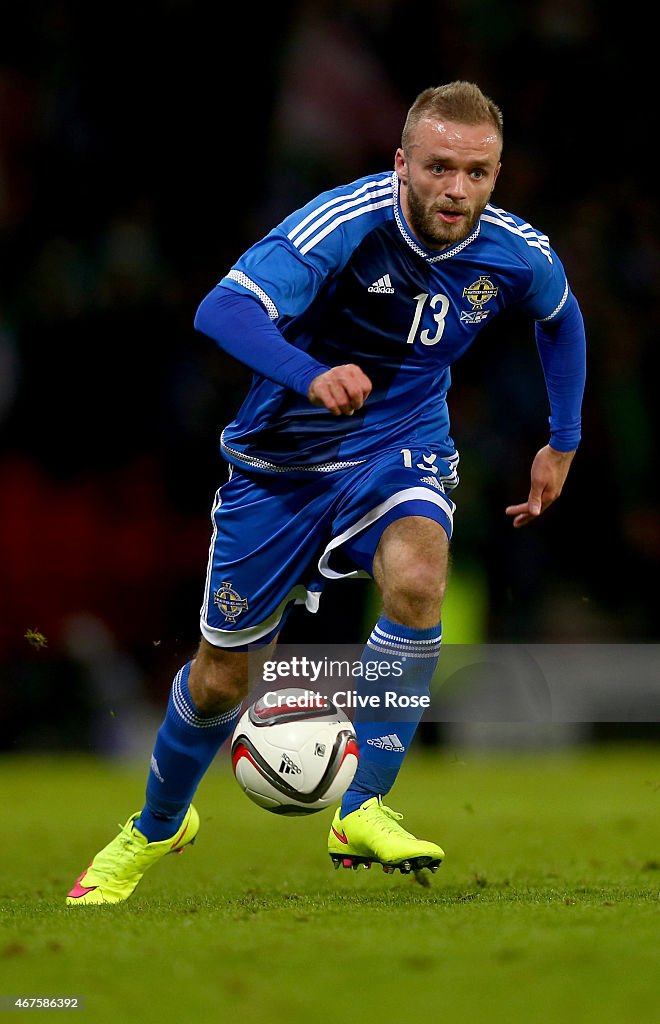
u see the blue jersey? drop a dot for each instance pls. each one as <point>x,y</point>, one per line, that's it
<point>344,280</point>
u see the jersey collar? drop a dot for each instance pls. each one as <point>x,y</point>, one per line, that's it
<point>430,255</point>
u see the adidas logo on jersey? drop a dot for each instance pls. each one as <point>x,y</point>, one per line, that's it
<point>391,742</point>
<point>383,286</point>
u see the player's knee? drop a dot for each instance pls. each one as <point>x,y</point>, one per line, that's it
<point>416,593</point>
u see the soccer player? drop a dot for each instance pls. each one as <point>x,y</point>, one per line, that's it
<point>350,313</point>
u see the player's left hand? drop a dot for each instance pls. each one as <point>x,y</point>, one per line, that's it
<point>549,471</point>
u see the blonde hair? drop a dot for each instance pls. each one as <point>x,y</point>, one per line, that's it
<point>462,102</point>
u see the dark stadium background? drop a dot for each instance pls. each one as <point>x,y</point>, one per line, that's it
<point>142,147</point>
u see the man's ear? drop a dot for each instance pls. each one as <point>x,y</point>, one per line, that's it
<point>400,166</point>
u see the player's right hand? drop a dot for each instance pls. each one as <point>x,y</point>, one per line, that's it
<point>341,389</point>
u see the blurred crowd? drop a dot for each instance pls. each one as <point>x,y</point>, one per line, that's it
<point>143,147</point>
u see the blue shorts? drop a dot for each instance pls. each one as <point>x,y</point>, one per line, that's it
<point>277,540</point>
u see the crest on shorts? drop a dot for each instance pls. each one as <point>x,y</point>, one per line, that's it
<point>230,602</point>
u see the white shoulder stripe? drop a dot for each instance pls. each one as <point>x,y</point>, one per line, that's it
<point>532,237</point>
<point>341,220</point>
<point>338,209</point>
<point>525,228</point>
<point>357,195</point>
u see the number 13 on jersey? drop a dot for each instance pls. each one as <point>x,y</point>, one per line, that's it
<point>439,315</point>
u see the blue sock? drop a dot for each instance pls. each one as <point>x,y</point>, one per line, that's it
<point>383,744</point>
<point>185,746</point>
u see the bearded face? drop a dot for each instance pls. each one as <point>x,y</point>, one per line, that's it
<point>447,175</point>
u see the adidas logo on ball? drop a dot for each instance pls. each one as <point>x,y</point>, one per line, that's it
<point>288,767</point>
<point>292,754</point>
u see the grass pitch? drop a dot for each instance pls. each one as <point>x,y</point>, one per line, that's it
<point>545,910</point>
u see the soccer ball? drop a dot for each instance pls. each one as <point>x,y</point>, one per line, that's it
<point>294,752</point>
